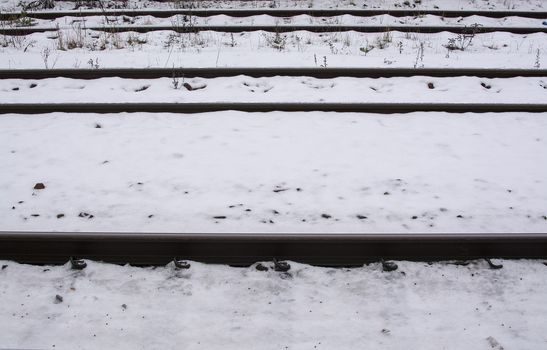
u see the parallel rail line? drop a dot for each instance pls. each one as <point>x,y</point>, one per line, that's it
<point>322,73</point>
<point>4,16</point>
<point>202,107</point>
<point>246,249</point>
<point>287,28</point>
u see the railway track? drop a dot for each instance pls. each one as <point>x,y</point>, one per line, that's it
<point>5,16</point>
<point>321,73</point>
<point>286,29</point>
<point>246,249</point>
<point>202,107</point>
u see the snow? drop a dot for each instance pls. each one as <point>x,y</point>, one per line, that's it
<point>420,306</point>
<point>275,172</point>
<point>75,45</point>
<point>522,5</point>
<point>161,172</point>
<point>262,49</point>
<point>278,89</point>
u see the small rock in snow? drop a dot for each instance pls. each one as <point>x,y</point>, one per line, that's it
<point>280,190</point>
<point>39,186</point>
<point>85,215</point>
<point>142,88</point>
<point>58,299</point>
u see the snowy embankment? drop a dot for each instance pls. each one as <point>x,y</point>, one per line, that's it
<point>79,48</point>
<point>274,172</point>
<point>419,306</point>
<point>499,5</point>
<point>277,89</point>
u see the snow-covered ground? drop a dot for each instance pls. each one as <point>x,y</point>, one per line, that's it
<point>523,5</point>
<point>79,48</point>
<point>75,46</point>
<point>304,172</point>
<point>277,89</point>
<point>275,172</point>
<point>419,306</point>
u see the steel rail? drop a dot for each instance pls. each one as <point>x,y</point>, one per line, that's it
<point>5,16</point>
<point>245,249</point>
<point>288,28</point>
<point>201,107</point>
<point>322,73</point>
